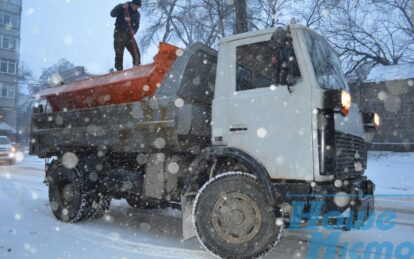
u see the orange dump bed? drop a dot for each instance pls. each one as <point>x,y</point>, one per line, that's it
<point>113,88</point>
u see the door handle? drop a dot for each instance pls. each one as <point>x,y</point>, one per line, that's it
<point>238,129</point>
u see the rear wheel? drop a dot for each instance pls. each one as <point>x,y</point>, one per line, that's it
<point>100,204</point>
<point>69,198</point>
<point>233,218</point>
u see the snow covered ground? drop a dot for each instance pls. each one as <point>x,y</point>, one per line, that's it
<point>29,230</point>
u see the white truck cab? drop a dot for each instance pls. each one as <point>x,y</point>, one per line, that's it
<point>278,123</point>
<point>281,108</point>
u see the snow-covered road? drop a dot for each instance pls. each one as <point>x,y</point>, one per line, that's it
<point>28,228</point>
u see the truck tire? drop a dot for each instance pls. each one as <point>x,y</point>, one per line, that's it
<point>100,205</point>
<point>69,200</point>
<point>233,218</point>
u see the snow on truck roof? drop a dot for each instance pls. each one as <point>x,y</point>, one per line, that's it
<point>389,73</point>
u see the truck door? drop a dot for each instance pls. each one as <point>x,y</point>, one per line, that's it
<point>265,117</point>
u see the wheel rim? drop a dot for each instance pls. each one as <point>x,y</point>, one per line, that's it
<point>236,218</point>
<point>66,191</point>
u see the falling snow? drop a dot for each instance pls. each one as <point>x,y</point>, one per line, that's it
<point>33,229</point>
<point>261,132</point>
<point>70,160</point>
<point>173,167</point>
<point>179,102</point>
<point>179,52</point>
<point>68,40</point>
<point>29,227</point>
<point>159,143</point>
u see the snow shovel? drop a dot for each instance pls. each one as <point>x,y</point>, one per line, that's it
<point>132,35</point>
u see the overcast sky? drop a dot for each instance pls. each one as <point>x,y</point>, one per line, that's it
<point>80,31</point>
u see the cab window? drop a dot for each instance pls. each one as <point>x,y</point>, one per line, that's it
<point>263,64</point>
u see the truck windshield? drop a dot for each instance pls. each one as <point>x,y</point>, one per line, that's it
<point>326,64</point>
<point>4,140</point>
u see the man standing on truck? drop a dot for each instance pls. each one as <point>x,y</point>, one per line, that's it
<point>126,25</point>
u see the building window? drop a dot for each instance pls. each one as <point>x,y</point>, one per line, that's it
<point>8,19</point>
<point>8,42</point>
<point>8,66</point>
<point>7,90</point>
<point>16,2</point>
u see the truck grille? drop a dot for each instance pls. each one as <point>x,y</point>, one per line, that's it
<point>351,155</point>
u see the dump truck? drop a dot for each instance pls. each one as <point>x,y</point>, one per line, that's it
<point>236,139</point>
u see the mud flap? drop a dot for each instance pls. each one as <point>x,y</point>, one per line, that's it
<point>187,211</point>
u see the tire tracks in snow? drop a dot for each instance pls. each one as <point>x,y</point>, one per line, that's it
<point>138,247</point>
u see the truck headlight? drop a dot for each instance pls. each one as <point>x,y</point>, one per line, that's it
<point>346,101</point>
<point>371,120</point>
<point>13,149</point>
<point>337,99</point>
<point>377,120</point>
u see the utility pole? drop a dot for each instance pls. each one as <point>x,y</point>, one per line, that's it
<point>241,16</point>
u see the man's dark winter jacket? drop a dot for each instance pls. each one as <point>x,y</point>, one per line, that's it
<point>121,23</point>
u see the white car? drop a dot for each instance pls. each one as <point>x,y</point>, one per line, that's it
<point>7,151</point>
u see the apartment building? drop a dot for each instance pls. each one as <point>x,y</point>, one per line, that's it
<point>10,20</point>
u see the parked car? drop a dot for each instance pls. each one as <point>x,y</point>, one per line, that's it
<point>7,151</point>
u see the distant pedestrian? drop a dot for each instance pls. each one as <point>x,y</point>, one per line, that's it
<point>126,25</point>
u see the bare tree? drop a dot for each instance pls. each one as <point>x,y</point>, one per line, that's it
<point>185,22</point>
<point>364,32</point>
<point>312,13</point>
<point>51,76</point>
<point>241,16</point>
<point>160,14</point>
<point>24,102</point>
<point>269,13</point>
<point>364,36</point>
<point>217,20</point>
<point>402,13</point>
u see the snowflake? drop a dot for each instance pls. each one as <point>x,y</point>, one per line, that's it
<point>179,102</point>
<point>179,52</point>
<point>68,40</point>
<point>261,132</point>
<point>159,143</point>
<point>173,168</point>
<point>70,160</point>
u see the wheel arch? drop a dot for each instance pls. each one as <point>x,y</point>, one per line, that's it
<point>209,155</point>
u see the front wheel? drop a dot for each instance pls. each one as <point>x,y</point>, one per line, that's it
<point>234,219</point>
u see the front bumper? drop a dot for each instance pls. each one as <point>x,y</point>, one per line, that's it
<point>5,156</point>
<point>355,201</point>
<point>342,206</point>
